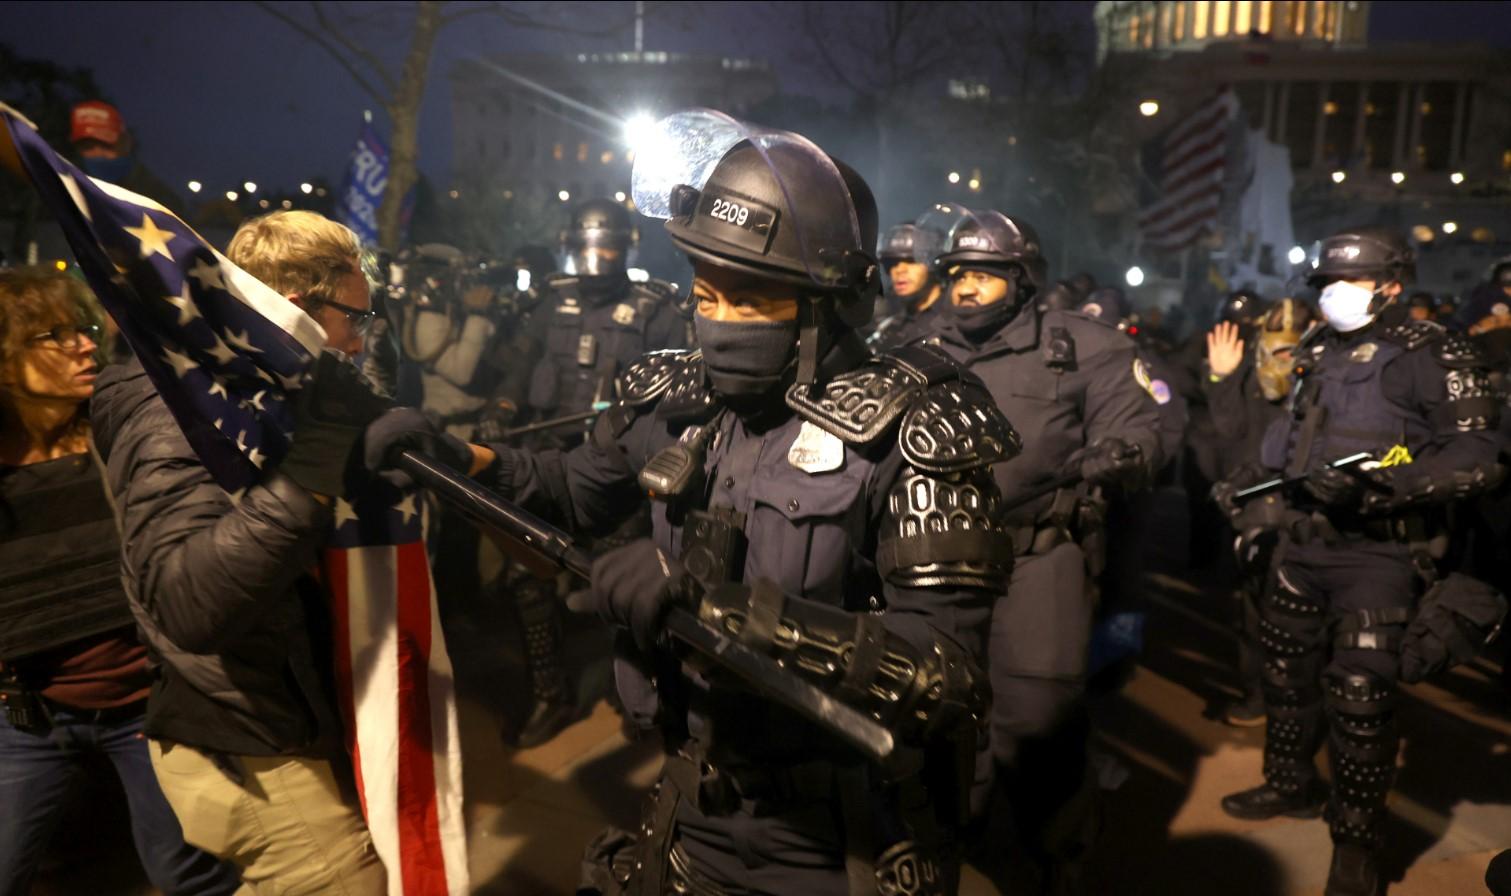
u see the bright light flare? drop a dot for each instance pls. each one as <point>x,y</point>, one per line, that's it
<point>1134,276</point>
<point>249,186</point>
<point>195,186</point>
<point>1296,256</point>
<point>1148,108</point>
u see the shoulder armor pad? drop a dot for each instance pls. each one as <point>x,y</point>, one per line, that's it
<point>650,377</point>
<point>1458,351</point>
<point>1413,334</point>
<point>955,426</point>
<point>688,396</point>
<point>860,406</point>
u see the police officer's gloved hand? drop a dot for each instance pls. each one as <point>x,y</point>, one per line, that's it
<point>330,413</point>
<point>1109,460</point>
<point>496,419</point>
<point>1225,492</point>
<point>1334,488</point>
<point>634,586</point>
<point>409,429</point>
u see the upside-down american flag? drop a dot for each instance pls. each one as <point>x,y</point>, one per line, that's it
<point>225,351</point>
<point>1188,164</point>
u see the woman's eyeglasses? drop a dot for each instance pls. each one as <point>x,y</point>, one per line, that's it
<point>68,336</point>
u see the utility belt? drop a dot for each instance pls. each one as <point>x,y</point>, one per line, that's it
<point>1070,517</point>
<point>716,791</point>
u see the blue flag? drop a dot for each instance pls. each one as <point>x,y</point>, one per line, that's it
<point>362,187</point>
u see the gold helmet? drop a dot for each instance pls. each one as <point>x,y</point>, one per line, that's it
<point>1279,332</point>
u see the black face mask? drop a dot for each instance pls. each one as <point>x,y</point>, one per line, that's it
<point>981,322</point>
<point>746,360</point>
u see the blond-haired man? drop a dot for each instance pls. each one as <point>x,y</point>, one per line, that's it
<point>245,735</point>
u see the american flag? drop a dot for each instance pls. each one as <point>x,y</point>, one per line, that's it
<point>225,351</point>
<point>1190,162</point>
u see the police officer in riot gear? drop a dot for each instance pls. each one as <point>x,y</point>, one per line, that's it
<point>1356,556</point>
<point>907,253</point>
<point>800,487</point>
<point>592,323</point>
<point>1076,390</point>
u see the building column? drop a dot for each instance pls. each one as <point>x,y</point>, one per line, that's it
<point>1404,112</point>
<point>1418,92</point>
<point>1319,135</point>
<point>1460,110</point>
<point>1356,152</point>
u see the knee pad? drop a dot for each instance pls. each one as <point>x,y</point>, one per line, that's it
<point>1361,705</point>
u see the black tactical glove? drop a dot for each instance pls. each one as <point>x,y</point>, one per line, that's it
<point>1225,492</point>
<point>330,414</point>
<point>496,419</point>
<point>409,428</point>
<point>1109,460</point>
<point>1334,488</point>
<point>634,586</point>
<point>1410,488</point>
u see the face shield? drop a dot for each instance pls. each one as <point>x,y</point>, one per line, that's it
<point>765,201</point>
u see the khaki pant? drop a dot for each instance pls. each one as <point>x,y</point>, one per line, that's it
<point>292,826</point>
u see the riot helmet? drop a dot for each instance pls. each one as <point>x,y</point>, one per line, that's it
<point>597,241</point>
<point>1060,296</point>
<point>911,244</point>
<point>1362,253</point>
<point>1110,305</point>
<point>1278,334</point>
<point>763,201</point>
<point>993,241</point>
<point>1242,307</point>
<point>769,203</point>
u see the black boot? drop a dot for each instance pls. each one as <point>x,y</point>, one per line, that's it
<point>1354,871</point>
<point>552,707</point>
<point>1362,750</point>
<point>1264,801</point>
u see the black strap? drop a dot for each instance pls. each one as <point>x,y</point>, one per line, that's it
<point>964,545</point>
<point>1309,426</point>
<point>763,615</point>
<point>865,658</point>
<point>1363,620</point>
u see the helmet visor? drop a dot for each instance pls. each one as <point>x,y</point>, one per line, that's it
<point>676,158</point>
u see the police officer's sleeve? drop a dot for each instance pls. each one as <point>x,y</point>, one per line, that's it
<point>1447,384</point>
<point>587,490</point>
<point>1118,405</point>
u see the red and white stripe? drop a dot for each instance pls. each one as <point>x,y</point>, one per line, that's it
<point>1191,176</point>
<point>396,694</point>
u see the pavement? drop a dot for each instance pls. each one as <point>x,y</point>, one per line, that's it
<point>530,812</point>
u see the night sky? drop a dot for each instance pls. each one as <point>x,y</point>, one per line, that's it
<point>223,92</point>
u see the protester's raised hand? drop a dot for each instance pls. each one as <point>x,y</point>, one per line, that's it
<point>1224,349</point>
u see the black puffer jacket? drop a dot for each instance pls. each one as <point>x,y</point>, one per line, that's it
<point>236,627</point>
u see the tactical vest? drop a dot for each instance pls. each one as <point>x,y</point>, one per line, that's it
<point>580,362</point>
<point>1338,408</point>
<point>60,559</point>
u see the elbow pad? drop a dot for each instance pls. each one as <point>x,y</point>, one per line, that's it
<point>916,693</point>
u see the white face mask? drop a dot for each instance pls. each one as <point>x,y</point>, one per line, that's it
<point>1346,306</point>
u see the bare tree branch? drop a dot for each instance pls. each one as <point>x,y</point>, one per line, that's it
<point>338,34</point>
<point>330,48</point>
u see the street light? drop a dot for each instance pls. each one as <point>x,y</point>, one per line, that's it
<point>954,177</point>
<point>306,188</point>
<point>1296,256</point>
<point>618,195</point>
<point>1135,276</point>
<point>249,187</point>
<point>1339,177</point>
<point>975,184</point>
<point>1450,227</point>
<point>563,195</point>
<point>232,195</point>
<point>1457,177</point>
<point>1398,177</point>
<point>1148,108</point>
<point>195,186</point>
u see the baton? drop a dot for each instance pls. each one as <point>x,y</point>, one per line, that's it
<point>757,671</point>
<point>553,423</point>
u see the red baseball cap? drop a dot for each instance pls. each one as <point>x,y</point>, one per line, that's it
<point>95,120</point>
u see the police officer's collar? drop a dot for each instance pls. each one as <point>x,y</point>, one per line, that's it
<point>1019,334</point>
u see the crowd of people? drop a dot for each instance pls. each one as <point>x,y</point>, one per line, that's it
<point>909,465</point>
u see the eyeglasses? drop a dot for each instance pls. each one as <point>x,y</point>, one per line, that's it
<point>68,336</point>
<point>362,320</point>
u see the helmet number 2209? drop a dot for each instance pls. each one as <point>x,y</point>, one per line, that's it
<point>732,212</point>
